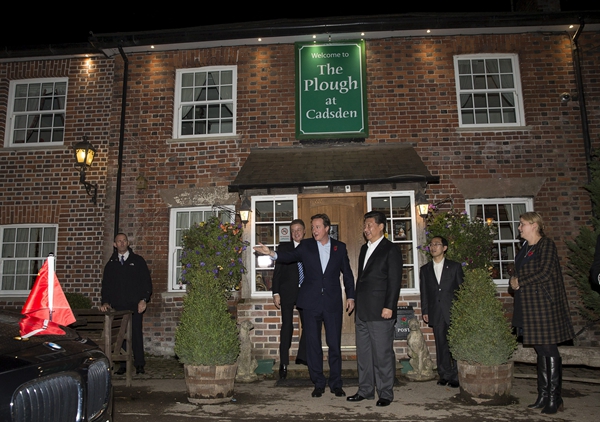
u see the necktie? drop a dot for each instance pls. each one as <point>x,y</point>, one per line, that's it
<point>300,274</point>
<point>122,260</point>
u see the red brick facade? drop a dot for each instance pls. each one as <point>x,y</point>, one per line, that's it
<point>412,100</point>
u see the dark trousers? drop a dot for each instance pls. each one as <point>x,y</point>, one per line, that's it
<point>286,333</point>
<point>446,366</point>
<point>313,325</point>
<point>375,358</point>
<point>137,339</point>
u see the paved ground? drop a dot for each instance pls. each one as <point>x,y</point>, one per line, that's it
<point>160,395</point>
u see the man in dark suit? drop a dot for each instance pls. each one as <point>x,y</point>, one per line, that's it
<point>439,281</point>
<point>377,291</point>
<point>320,298</point>
<point>286,281</point>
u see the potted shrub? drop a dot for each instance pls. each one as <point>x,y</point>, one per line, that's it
<point>480,336</point>
<point>206,340</point>
<point>481,339</point>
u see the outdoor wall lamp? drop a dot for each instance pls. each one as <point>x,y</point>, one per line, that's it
<point>84,156</point>
<point>489,221</point>
<point>245,210</point>
<point>422,205</point>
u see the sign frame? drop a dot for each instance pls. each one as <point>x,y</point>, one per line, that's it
<point>331,90</point>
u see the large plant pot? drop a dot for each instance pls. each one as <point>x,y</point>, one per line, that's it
<point>209,384</point>
<point>486,382</point>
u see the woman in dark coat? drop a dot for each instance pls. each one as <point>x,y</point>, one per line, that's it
<point>541,308</point>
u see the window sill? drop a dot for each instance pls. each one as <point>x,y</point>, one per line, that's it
<point>493,129</point>
<point>196,139</point>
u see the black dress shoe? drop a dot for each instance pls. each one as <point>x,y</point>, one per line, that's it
<point>442,381</point>
<point>318,392</point>
<point>282,371</point>
<point>301,362</point>
<point>383,402</point>
<point>140,369</point>
<point>122,369</point>
<point>338,392</point>
<point>453,384</point>
<point>356,397</point>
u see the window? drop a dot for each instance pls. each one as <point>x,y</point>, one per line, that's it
<point>205,102</point>
<point>24,250</point>
<point>504,214</point>
<point>36,112</point>
<point>182,219</point>
<point>399,208</point>
<point>272,214</point>
<point>489,90</point>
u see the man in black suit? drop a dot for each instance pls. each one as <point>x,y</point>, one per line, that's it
<point>377,291</point>
<point>440,279</point>
<point>286,281</point>
<point>595,270</point>
<point>320,298</point>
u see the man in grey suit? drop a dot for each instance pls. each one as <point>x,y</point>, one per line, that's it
<point>377,291</point>
<point>439,281</point>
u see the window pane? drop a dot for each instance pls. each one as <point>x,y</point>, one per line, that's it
<point>207,91</point>
<point>284,210</point>
<point>494,77</point>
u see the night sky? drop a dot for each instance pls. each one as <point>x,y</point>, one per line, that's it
<point>44,29</point>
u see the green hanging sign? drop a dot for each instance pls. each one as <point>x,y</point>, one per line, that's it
<point>331,94</point>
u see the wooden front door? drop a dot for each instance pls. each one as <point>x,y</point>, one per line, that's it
<point>346,212</point>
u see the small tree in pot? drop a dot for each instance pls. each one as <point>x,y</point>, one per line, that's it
<point>207,335</point>
<point>480,338</point>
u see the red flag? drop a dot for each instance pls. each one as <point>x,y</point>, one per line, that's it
<point>46,303</point>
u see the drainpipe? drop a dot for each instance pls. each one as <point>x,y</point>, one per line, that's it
<point>121,141</point>
<point>581,98</point>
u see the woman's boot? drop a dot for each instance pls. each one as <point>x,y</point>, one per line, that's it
<point>543,384</point>
<point>555,402</point>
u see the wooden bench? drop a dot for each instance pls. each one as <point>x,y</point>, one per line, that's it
<point>108,329</point>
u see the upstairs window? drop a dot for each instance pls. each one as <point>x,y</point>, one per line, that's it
<point>489,90</point>
<point>205,102</point>
<point>36,112</point>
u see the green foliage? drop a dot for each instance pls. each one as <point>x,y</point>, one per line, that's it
<point>78,301</point>
<point>469,240</point>
<point>212,267</point>
<point>581,252</point>
<point>479,332</point>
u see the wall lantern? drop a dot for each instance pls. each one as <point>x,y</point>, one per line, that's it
<point>245,210</point>
<point>84,156</point>
<point>422,205</point>
<point>489,221</point>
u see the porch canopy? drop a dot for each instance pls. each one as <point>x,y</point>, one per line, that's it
<point>331,165</point>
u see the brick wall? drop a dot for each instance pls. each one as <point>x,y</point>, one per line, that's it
<point>412,99</point>
<point>41,185</point>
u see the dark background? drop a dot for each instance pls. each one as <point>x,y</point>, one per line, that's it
<point>33,26</point>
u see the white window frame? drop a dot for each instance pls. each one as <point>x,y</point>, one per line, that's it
<point>515,90</point>
<point>32,111</point>
<point>180,103</point>
<point>6,255</point>
<point>175,248</point>
<point>253,261</point>
<point>502,241</point>
<point>391,224</point>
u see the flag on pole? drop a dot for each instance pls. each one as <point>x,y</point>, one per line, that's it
<point>46,307</point>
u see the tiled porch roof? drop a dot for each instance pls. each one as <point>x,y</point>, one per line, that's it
<point>332,165</point>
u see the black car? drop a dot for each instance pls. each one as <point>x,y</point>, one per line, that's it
<point>52,378</point>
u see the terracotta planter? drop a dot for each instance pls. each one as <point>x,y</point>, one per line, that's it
<point>209,384</point>
<point>485,381</point>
